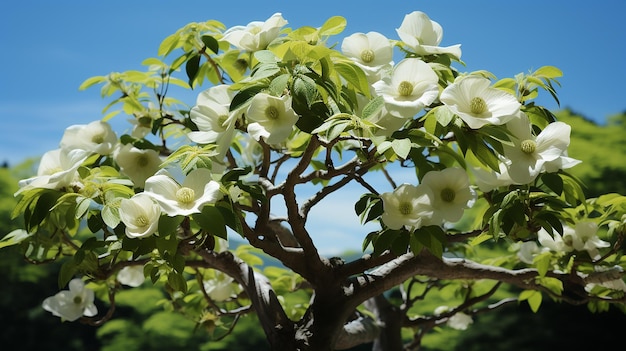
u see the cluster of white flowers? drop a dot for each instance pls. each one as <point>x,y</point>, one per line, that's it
<point>411,85</point>
<point>58,168</point>
<point>441,196</point>
<point>583,237</point>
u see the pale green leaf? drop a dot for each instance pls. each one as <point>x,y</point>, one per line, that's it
<point>532,297</point>
<point>401,147</point>
<point>550,72</point>
<point>91,82</point>
<point>333,26</point>
<point>14,237</point>
<point>353,75</point>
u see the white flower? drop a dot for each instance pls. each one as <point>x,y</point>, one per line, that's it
<point>372,52</point>
<point>272,118</point>
<point>256,35</point>
<point>57,169</point>
<point>140,214</point>
<point>451,193</point>
<point>487,180</point>
<point>459,320</point>
<point>423,36</point>
<point>137,164</point>
<point>252,153</point>
<point>478,104</point>
<point>527,251</point>
<point>553,241</point>
<point>131,276</point>
<point>529,154</point>
<point>140,130</point>
<point>584,237</point>
<point>216,124</point>
<point>73,303</point>
<point>96,136</point>
<point>411,86</point>
<point>407,206</point>
<point>183,199</point>
<point>386,122</point>
<point>220,288</point>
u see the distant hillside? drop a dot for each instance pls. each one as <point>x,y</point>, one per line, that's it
<point>602,148</point>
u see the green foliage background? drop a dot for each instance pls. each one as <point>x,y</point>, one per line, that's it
<point>142,321</point>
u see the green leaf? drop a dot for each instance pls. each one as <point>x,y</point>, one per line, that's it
<point>168,44</point>
<point>400,243</point>
<point>548,72</point>
<point>373,107</point>
<point>383,241</point>
<point>553,284</point>
<point>353,75</point>
<point>46,201</point>
<point>279,84</point>
<point>244,96</point>
<point>264,70</point>
<point>333,26</point>
<point>192,66</point>
<point>304,88</point>
<point>401,147</point>
<point>486,155</point>
<point>443,115</point>
<point>266,56</point>
<point>542,262</point>
<point>533,297</point>
<point>432,237</point>
<point>211,43</point>
<point>169,225</point>
<point>484,236</point>
<point>247,254</point>
<point>211,220</point>
<point>82,207</point>
<point>66,273</point>
<point>177,281</point>
<point>167,246</point>
<point>91,82</point>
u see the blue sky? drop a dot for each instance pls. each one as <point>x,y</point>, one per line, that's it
<point>50,47</point>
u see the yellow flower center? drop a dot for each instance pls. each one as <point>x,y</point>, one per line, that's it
<point>478,105</point>
<point>271,112</point>
<point>97,138</point>
<point>185,195</point>
<point>142,160</point>
<point>568,240</point>
<point>447,194</point>
<point>367,56</point>
<point>405,208</point>
<point>221,120</point>
<point>142,221</point>
<point>89,190</point>
<point>528,146</point>
<point>77,300</point>
<point>405,88</point>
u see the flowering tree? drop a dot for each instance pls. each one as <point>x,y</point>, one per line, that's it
<point>491,216</point>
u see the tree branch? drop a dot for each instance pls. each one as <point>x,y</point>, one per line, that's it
<point>272,316</point>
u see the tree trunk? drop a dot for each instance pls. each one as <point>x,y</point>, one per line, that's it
<point>389,318</point>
